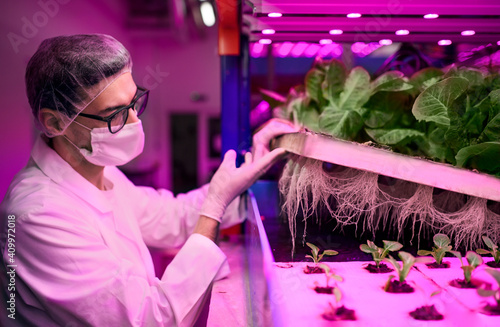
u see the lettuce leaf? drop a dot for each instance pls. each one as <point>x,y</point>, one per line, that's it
<point>433,103</point>
<point>344,124</point>
<point>483,157</point>
<point>393,136</point>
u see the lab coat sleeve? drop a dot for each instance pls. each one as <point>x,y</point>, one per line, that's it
<point>79,281</point>
<point>166,220</point>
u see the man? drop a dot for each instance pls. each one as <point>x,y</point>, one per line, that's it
<point>75,229</point>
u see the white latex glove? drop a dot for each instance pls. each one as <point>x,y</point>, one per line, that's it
<point>228,181</point>
<point>267,132</point>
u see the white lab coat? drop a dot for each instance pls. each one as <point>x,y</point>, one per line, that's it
<point>81,252</point>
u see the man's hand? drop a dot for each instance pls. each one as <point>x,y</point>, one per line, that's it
<point>267,132</point>
<point>228,181</point>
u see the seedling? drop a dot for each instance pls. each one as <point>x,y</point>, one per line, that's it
<point>493,250</point>
<point>441,247</point>
<point>337,311</point>
<point>494,293</point>
<point>316,257</point>
<point>408,261</point>
<point>377,253</point>
<point>474,261</point>
<point>329,274</point>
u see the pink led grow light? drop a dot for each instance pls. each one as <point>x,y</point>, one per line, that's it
<point>336,32</point>
<point>468,33</point>
<point>431,16</point>
<point>312,50</point>
<point>354,15</point>
<point>284,49</point>
<point>325,50</point>
<point>274,14</point>
<point>306,20</point>
<point>298,49</point>
<point>256,49</point>
<point>444,42</point>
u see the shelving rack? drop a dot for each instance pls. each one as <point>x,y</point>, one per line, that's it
<point>242,23</point>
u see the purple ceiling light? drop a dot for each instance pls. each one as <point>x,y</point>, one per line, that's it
<point>385,42</point>
<point>357,47</point>
<point>468,33</point>
<point>298,49</point>
<point>265,41</point>
<point>257,49</point>
<point>307,21</point>
<point>444,42</point>
<point>284,49</point>
<point>431,16</point>
<point>337,50</point>
<point>353,15</point>
<point>363,49</point>
<point>268,31</point>
<point>326,50</point>
<point>325,41</point>
<point>336,32</point>
<point>311,50</point>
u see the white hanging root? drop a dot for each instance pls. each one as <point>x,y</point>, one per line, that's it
<point>418,208</point>
<point>305,185</point>
<point>448,201</point>
<point>467,225</point>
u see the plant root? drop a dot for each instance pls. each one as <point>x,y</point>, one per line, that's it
<point>361,198</point>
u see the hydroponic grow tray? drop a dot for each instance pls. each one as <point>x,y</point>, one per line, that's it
<point>388,163</point>
<point>280,294</point>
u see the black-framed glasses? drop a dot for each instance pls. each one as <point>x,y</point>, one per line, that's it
<point>118,119</point>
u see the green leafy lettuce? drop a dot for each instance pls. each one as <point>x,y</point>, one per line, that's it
<point>451,116</point>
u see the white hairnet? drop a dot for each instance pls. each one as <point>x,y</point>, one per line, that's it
<point>67,73</point>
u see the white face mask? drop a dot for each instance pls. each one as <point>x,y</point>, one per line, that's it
<point>114,149</point>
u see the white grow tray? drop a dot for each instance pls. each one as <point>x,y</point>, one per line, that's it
<point>282,296</point>
<point>387,163</point>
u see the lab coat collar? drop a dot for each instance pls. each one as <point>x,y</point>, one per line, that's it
<point>59,171</point>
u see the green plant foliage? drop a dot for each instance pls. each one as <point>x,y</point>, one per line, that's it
<point>315,256</point>
<point>432,104</point>
<point>377,253</point>
<point>451,117</point>
<point>330,274</point>
<point>493,249</point>
<point>441,247</point>
<point>483,157</point>
<point>495,293</point>
<point>408,261</point>
<point>424,78</point>
<point>473,259</point>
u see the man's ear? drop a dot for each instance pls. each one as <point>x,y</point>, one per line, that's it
<point>50,121</point>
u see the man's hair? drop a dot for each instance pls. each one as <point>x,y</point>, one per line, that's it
<point>64,73</point>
